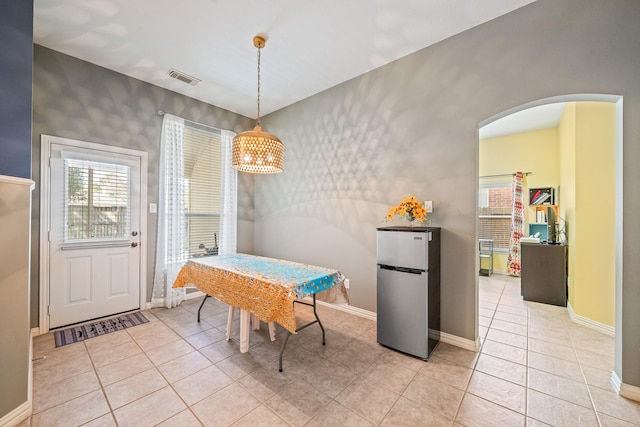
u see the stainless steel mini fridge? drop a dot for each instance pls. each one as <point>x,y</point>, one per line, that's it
<point>408,297</point>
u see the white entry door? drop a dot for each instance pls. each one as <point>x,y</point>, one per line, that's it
<point>94,233</point>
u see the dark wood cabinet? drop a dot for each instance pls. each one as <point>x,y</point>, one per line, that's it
<point>543,277</point>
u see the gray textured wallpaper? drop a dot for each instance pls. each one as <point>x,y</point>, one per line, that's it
<point>78,100</point>
<point>411,127</point>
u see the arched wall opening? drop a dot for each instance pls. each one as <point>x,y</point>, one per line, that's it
<point>584,307</point>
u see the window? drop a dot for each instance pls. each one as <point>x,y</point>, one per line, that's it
<point>203,190</point>
<point>494,206</point>
<point>197,201</point>
<point>97,200</point>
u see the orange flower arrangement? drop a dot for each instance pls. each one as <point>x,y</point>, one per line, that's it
<point>410,208</point>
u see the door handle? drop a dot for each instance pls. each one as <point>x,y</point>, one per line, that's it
<point>134,233</point>
<point>134,244</point>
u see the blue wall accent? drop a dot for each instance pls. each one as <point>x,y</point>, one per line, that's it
<point>16,59</point>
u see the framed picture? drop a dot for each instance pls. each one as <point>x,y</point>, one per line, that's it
<point>541,196</point>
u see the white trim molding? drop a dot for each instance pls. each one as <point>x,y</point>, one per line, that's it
<point>18,415</point>
<point>457,341</point>
<point>34,332</point>
<point>192,295</point>
<point>592,324</point>
<point>499,272</point>
<point>615,381</point>
<point>627,391</point>
<point>348,309</point>
<point>25,410</point>
<point>356,311</point>
<point>17,180</point>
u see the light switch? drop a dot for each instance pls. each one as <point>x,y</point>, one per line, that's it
<point>153,208</point>
<point>428,205</point>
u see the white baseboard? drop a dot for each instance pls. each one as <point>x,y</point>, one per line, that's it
<point>356,311</point>
<point>592,324</point>
<point>25,410</point>
<point>353,310</point>
<point>192,295</point>
<point>500,272</point>
<point>34,333</point>
<point>187,297</point>
<point>17,416</point>
<point>615,381</point>
<point>460,342</point>
<point>627,391</point>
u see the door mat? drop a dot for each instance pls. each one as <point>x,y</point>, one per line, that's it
<point>102,327</point>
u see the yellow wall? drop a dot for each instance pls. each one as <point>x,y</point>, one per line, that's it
<point>594,272</point>
<point>583,172</point>
<point>567,199</point>
<point>535,152</point>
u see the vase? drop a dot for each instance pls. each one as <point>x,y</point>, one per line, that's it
<point>411,219</point>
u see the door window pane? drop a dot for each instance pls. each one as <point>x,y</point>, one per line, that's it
<point>97,200</point>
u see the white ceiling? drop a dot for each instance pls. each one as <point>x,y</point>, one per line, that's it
<point>311,44</point>
<point>535,118</point>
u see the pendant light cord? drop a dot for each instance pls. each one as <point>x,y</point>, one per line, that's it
<point>258,86</point>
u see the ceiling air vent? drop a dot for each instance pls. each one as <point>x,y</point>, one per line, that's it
<point>183,77</point>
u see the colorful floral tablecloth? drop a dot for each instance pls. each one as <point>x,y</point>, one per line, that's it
<point>265,287</point>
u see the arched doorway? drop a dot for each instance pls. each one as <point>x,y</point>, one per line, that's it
<point>584,303</point>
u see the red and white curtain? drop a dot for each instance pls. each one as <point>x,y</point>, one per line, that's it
<point>517,224</point>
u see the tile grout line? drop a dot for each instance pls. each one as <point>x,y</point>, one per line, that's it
<point>526,369</point>
<point>104,393</point>
<point>94,370</point>
<point>154,367</point>
<point>526,358</point>
<point>475,364</point>
<point>189,407</point>
<point>415,374</point>
<point>584,377</point>
<point>526,386</point>
<point>171,385</point>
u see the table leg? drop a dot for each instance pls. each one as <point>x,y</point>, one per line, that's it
<point>286,338</point>
<point>255,322</point>
<point>272,331</point>
<point>203,300</point>
<point>229,322</point>
<point>245,320</point>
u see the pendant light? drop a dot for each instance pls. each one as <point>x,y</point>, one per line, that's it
<point>255,151</point>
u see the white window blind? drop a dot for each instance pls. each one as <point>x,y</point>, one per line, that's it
<point>97,200</point>
<point>203,190</point>
<point>495,208</point>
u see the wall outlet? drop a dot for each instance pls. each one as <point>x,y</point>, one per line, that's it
<point>428,205</point>
<point>153,208</point>
<point>346,283</point>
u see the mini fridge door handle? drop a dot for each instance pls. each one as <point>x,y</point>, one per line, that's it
<point>401,269</point>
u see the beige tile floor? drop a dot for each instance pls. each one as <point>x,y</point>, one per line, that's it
<point>535,368</point>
